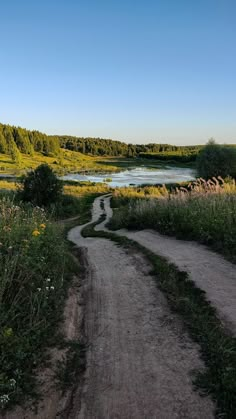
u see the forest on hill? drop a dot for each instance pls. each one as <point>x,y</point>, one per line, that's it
<point>108,147</point>
<point>17,140</point>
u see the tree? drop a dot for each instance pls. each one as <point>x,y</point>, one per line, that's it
<point>14,152</point>
<point>216,160</point>
<point>22,141</point>
<point>41,186</point>
<point>3,144</point>
<point>7,132</point>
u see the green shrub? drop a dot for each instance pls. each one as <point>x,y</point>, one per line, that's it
<point>41,187</point>
<point>216,160</point>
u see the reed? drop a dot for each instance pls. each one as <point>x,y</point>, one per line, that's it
<point>203,210</point>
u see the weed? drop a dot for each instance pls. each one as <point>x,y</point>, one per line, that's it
<point>73,363</point>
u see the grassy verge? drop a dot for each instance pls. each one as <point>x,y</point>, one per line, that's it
<point>205,212</point>
<point>217,347</point>
<point>35,269</point>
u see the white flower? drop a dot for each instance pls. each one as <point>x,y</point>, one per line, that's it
<point>48,280</point>
<point>47,288</point>
<point>4,399</point>
<point>52,288</point>
<point>39,289</point>
<point>12,382</point>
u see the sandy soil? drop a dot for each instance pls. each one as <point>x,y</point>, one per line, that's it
<point>210,271</point>
<point>139,359</point>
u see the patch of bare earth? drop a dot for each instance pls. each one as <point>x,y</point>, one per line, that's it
<point>140,361</point>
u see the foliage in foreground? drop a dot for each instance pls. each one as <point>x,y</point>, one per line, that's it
<point>205,212</point>
<point>33,256</point>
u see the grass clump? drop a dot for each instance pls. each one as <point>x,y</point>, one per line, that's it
<point>72,364</point>
<point>205,211</point>
<point>34,268</point>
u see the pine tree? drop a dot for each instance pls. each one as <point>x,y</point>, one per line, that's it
<point>15,153</point>
<point>3,144</point>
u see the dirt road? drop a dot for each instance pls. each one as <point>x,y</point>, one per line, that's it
<point>139,360</point>
<point>210,271</point>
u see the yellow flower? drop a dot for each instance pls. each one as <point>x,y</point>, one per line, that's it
<point>43,226</point>
<point>35,233</point>
<point>8,332</point>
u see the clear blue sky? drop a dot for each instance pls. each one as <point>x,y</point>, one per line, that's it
<point>138,71</point>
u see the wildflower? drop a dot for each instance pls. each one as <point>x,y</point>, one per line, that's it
<point>4,399</point>
<point>47,288</point>
<point>8,332</point>
<point>43,226</point>
<point>52,288</point>
<point>12,382</point>
<point>35,233</point>
<point>48,280</point>
<point>39,289</point>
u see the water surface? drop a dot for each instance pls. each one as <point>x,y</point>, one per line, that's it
<point>138,176</point>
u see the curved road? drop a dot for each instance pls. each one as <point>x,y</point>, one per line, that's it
<point>140,361</point>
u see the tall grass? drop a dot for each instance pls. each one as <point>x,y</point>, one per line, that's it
<point>79,189</point>
<point>204,211</point>
<point>76,200</point>
<point>33,257</point>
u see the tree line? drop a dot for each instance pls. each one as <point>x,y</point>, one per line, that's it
<point>108,147</point>
<point>17,140</point>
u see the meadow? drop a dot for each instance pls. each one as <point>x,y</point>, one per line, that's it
<point>204,211</point>
<point>66,162</point>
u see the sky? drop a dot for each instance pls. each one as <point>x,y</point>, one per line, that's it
<point>137,71</point>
